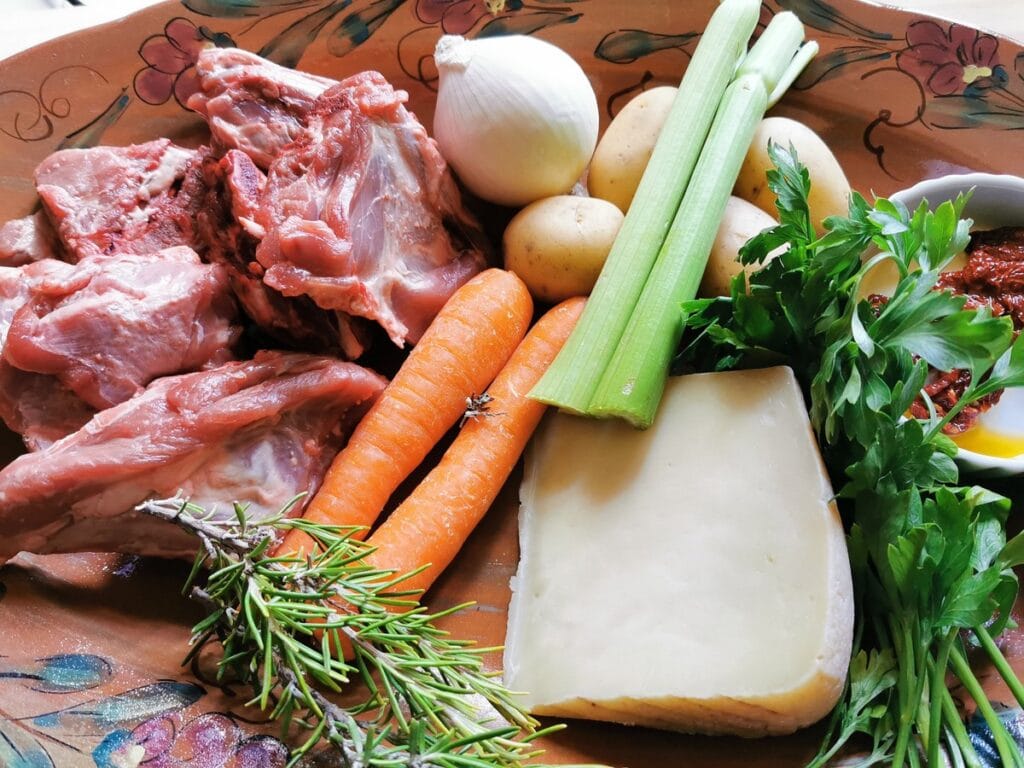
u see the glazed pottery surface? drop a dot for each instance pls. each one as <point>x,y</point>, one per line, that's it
<point>91,645</point>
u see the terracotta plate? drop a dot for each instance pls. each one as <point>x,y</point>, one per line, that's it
<point>90,645</point>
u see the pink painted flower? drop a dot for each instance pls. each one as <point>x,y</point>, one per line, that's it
<point>950,61</point>
<point>211,740</point>
<point>170,61</point>
<point>457,17</point>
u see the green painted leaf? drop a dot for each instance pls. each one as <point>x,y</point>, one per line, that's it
<point>957,112</point>
<point>625,46</point>
<point>821,15</point>
<point>20,749</point>
<point>832,64</point>
<point>356,28</point>
<point>236,9</point>
<point>91,134</point>
<point>62,673</point>
<point>526,23</point>
<point>289,46</point>
<point>126,708</point>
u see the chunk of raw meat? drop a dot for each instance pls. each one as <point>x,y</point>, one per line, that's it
<point>28,239</point>
<point>14,292</point>
<point>187,198</point>
<point>37,407</point>
<point>257,432</point>
<point>232,186</point>
<point>106,328</point>
<point>108,200</point>
<point>361,214</point>
<point>253,104</point>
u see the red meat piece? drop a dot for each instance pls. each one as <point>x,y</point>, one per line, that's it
<point>257,432</point>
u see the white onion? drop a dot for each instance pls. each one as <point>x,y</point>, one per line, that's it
<point>516,117</point>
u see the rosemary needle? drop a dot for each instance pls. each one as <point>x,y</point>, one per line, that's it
<point>426,699</point>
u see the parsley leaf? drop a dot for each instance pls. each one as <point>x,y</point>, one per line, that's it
<point>930,558</point>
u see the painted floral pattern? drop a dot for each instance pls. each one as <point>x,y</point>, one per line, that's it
<point>952,59</point>
<point>457,17</point>
<point>953,76</point>
<point>171,61</point>
<point>210,740</point>
<point>932,76</point>
<point>156,724</point>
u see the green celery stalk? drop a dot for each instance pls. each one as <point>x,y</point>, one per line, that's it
<point>634,380</point>
<point>570,381</point>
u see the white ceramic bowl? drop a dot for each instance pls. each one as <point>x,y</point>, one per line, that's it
<point>997,201</point>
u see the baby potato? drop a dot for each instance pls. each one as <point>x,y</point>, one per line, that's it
<point>741,221</point>
<point>830,191</point>
<point>622,153</point>
<point>558,245</point>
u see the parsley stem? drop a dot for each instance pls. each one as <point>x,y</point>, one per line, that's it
<point>905,654</point>
<point>956,725</point>
<point>936,685</point>
<point>1009,755</point>
<point>1001,664</point>
<point>966,399</point>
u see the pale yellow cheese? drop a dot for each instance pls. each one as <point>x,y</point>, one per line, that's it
<point>693,576</point>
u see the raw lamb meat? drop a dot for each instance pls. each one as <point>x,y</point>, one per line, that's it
<point>106,328</point>
<point>258,432</point>
<point>108,200</point>
<point>231,186</point>
<point>28,239</point>
<point>37,407</point>
<point>143,198</point>
<point>253,104</point>
<point>14,292</point>
<point>361,214</point>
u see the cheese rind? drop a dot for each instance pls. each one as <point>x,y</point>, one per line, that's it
<point>691,577</point>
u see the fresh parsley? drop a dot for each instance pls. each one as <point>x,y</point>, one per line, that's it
<point>931,563</point>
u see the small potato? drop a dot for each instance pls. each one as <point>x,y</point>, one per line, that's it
<point>830,191</point>
<point>741,221</point>
<point>622,153</point>
<point>559,244</point>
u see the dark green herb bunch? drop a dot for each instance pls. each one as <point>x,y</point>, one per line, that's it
<point>932,567</point>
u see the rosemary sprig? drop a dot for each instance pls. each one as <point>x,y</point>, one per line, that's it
<point>298,629</point>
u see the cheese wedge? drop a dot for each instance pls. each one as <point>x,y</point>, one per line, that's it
<point>693,576</point>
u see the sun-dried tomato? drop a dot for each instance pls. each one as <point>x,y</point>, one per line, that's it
<point>994,273</point>
<point>945,391</point>
<point>992,277</point>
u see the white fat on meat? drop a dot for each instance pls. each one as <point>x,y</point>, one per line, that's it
<point>108,200</point>
<point>28,239</point>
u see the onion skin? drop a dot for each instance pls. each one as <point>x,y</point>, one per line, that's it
<point>516,117</point>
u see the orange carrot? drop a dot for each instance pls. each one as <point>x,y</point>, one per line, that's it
<point>459,355</point>
<point>432,524</point>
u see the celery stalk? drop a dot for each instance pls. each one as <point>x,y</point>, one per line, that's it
<point>634,380</point>
<point>571,380</point>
